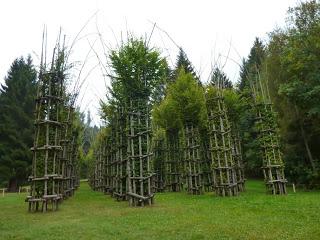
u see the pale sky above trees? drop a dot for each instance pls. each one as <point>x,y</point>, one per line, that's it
<point>207,30</point>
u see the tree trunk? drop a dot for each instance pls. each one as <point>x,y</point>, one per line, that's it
<point>305,141</point>
<point>13,185</point>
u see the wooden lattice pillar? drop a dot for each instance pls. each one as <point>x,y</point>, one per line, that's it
<point>237,156</point>
<point>108,180</point>
<point>113,160</point>
<point>72,166</point>
<point>192,161</point>
<point>120,191</point>
<point>273,166</point>
<point>272,162</point>
<point>100,169</point>
<point>140,176</point>
<point>96,171</point>
<point>173,168</point>
<point>207,178</point>
<point>223,165</point>
<point>91,179</point>
<point>66,158</point>
<point>104,164</point>
<point>158,160</point>
<point>46,179</point>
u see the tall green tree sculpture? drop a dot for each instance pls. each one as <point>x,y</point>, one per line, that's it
<point>137,81</point>
<point>181,114</point>
<point>269,139</point>
<point>223,164</point>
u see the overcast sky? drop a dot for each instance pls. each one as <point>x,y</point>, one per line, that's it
<point>208,30</point>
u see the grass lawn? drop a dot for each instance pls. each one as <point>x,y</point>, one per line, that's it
<point>92,215</point>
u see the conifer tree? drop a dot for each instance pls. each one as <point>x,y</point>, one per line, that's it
<point>249,71</point>
<point>184,63</point>
<point>16,122</point>
<point>219,78</point>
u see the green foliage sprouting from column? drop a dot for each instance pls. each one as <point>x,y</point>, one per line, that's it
<point>223,162</point>
<point>266,124</point>
<point>137,77</point>
<point>234,105</point>
<point>181,114</point>
<point>54,166</point>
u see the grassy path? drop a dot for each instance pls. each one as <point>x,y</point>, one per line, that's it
<point>92,215</point>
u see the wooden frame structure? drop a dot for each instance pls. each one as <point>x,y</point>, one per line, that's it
<point>67,142</point>
<point>159,154</point>
<point>237,156</point>
<point>172,164</point>
<point>120,161</point>
<point>272,162</point>
<point>207,177</point>
<point>191,160</point>
<point>55,170</point>
<point>47,165</point>
<point>140,175</point>
<point>223,164</point>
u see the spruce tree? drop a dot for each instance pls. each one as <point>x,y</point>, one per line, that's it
<point>220,79</point>
<point>16,122</point>
<point>184,63</point>
<point>248,73</point>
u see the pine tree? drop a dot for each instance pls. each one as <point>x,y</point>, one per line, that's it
<point>248,73</point>
<point>252,65</point>
<point>220,79</point>
<point>16,122</point>
<point>184,63</point>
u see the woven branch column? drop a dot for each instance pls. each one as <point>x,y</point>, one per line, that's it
<point>158,160</point>
<point>272,162</point>
<point>140,177</point>
<point>237,156</point>
<point>100,168</point>
<point>96,171</point>
<point>120,191</point>
<point>223,165</point>
<point>192,161</point>
<point>108,180</point>
<point>46,179</point>
<point>67,163</point>
<point>273,166</point>
<point>173,168</point>
<point>207,177</point>
<point>113,159</point>
<point>74,165</point>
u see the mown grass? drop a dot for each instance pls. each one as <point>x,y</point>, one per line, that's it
<point>92,215</point>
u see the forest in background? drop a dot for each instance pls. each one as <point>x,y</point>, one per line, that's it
<point>289,60</point>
